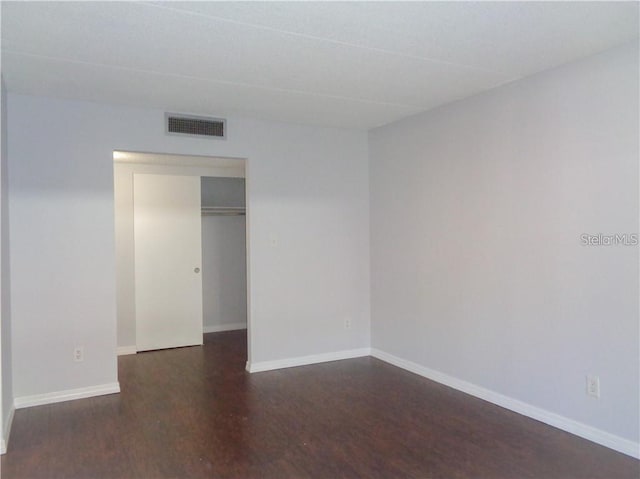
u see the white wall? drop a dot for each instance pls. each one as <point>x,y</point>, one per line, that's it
<point>478,271</point>
<point>6,387</point>
<point>307,186</point>
<point>224,266</point>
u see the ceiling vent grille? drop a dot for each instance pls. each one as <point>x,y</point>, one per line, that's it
<point>195,126</point>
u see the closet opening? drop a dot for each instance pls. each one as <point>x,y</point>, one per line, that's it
<point>181,249</point>
<point>224,266</point>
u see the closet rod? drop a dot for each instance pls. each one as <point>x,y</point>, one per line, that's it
<point>223,210</point>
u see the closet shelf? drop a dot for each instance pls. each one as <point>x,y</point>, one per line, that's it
<point>222,210</point>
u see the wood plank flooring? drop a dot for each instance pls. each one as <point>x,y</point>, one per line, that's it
<point>196,413</point>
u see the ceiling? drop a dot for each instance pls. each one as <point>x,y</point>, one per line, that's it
<point>347,64</point>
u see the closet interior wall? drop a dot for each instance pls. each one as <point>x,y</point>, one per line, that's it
<point>224,280</point>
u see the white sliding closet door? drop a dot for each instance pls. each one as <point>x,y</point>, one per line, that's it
<point>168,258</point>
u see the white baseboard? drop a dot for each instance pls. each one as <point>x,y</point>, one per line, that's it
<point>590,433</point>
<point>304,360</point>
<point>4,441</point>
<point>126,350</point>
<point>224,327</point>
<point>68,395</point>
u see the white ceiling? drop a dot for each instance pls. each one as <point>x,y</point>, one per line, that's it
<point>351,64</point>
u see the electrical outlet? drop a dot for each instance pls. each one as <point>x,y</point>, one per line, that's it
<point>347,323</point>
<point>78,354</point>
<point>593,386</point>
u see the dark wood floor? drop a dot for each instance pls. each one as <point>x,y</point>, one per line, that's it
<point>195,412</point>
